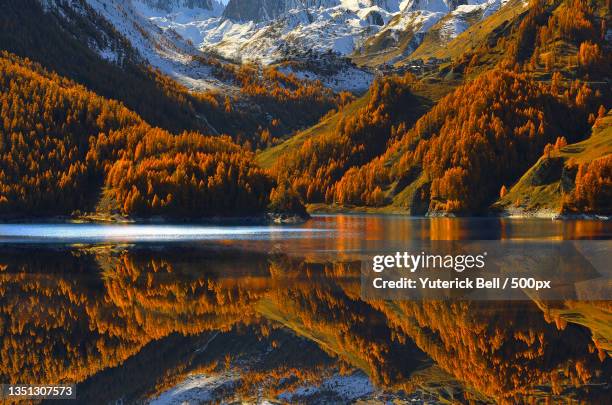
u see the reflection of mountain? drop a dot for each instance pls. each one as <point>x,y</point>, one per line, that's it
<point>154,316</point>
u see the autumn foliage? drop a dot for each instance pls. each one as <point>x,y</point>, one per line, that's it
<point>164,305</point>
<point>65,38</point>
<point>321,161</point>
<point>593,188</point>
<point>287,102</point>
<point>60,143</point>
<point>475,140</point>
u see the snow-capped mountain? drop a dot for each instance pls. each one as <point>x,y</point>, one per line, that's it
<point>170,5</point>
<point>273,30</point>
<point>215,30</point>
<point>169,33</point>
<point>162,48</point>
<point>405,32</point>
<point>255,10</point>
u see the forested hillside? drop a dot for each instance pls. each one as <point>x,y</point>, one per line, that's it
<point>61,143</point>
<point>354,140</point>
<point>540,80</point>
<point>483,135</point>
<point>82,129</point>
<point>255,106</point>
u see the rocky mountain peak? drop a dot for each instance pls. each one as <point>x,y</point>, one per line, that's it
<point>169,5</point>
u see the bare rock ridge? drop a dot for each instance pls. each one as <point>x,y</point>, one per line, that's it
<point>169,5</point>
<point>267,10</point>
<point>260,10</point>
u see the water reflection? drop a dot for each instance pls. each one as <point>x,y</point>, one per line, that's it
<point>254,324</point>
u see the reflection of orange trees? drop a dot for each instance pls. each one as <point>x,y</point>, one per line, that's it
<point>48,335</point>
<point>595,315</point>
<point>156,301</point>
<point>60,322</point>
<point>502,352</point>
<point>315,304</point>
<point>258,361</point>
<point>65,327</point>
<point>275,381</point>
<point>447,229</point>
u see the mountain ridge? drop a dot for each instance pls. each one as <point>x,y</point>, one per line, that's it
<point>268,30</point>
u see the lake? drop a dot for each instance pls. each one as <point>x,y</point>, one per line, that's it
<point>210,313</point>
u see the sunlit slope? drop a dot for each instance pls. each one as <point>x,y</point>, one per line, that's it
<point>388,45</point>
<point>328,342</point>
<point>427,91</point>
<point>268,157</point>
<point>470,341</point>
<point>311,162</point>
<point>488,30</point>
<point>542,187</point>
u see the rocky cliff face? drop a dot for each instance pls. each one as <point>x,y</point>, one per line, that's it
<point>266,10</point>
<point>255,10</point>
<point>169,5</point>
<point>436,5</point>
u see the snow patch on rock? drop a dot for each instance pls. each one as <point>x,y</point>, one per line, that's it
<point>346,388</point>
<point>195,389</point>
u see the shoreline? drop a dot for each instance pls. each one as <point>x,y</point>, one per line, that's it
<point>262,219</point>
<point>552,215</point>
<point>292,219</point>
<point>325,209</point>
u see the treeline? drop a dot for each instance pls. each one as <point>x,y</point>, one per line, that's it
<point>186,175</point>
<point>312,169</point>
<point>59,143</point>
<point>456,157</point>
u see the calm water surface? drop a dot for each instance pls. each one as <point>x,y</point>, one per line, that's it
<point>341,228</point>
<point>199,314</point>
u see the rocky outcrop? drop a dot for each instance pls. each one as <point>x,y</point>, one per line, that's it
<point>255,10</point>
<point>169,5</point>
<point>267,10</point>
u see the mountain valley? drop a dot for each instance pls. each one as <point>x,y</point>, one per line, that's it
<point>386,105</point>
